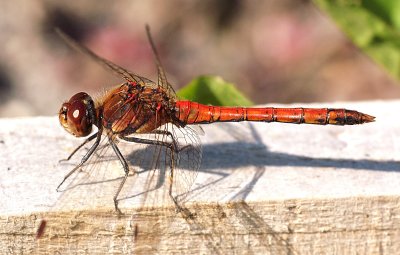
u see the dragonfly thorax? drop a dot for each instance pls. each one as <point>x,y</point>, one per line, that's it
<point>78,115</point>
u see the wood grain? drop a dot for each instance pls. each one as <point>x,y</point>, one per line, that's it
<point>262,188</point>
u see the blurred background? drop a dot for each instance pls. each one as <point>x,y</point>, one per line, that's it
<point>274,51</point>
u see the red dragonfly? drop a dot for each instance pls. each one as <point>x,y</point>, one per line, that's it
<point>142,107</point>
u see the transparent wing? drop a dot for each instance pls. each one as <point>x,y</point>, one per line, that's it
<point>121,72</point>
<point>94,184</point>
<point>188,160</point>
<point>170,170</point>
<point>162,79</point>
<point>157,172</point>
<point>165,160</point>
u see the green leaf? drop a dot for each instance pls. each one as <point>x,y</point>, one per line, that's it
<point>387,10</point>
<point>373,25</point>
<point>213,90</point>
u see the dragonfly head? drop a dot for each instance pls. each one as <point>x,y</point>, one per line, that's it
<point>78,115</point>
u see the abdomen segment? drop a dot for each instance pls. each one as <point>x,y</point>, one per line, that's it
<point>195,113</point>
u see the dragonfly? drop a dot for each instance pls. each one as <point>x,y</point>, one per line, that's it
<point>141,111</point>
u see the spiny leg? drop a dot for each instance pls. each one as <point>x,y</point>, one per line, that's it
<point>126,170</point>
<point>172,145</point>
<point>179,208</point>
<point>171,181</point>
<point>85,158</point>
<point>163,132</point>
<point>80,146</point>
<point>184,211</point>
<point>173,149</point>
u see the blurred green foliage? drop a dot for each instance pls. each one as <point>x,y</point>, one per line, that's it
<point>213,90</point>
<point>373,25</point>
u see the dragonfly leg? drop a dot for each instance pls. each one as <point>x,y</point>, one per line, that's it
<point>126,170</point>
<point>174,149</point>
<point>179,208</point>
<point>85,158</point>
<point>172,145</point>
<point>163,132</point>
<point>171,181</point>
<point>78,148</point>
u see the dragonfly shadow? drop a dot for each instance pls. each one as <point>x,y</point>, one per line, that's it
<point>223,159</point>
<point>240,154</point>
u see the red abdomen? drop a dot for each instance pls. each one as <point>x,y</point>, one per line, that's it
<point>192,113</point>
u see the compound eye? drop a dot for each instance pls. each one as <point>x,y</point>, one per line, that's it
<point>75,115</point>
<point>77,111</point>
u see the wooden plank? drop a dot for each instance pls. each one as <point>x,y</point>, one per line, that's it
<point>262,188</point>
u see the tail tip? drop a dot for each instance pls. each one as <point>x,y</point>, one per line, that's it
<point>365,118</point>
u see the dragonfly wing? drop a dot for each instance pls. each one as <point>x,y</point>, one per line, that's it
<point>127,75</point>
<point>188,160</point>
<point>198,129</point>
<point>167,170</point>
<point>162,78</point>
<point>91,185</point>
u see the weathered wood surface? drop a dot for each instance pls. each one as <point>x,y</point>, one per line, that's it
<point>262,188</point>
